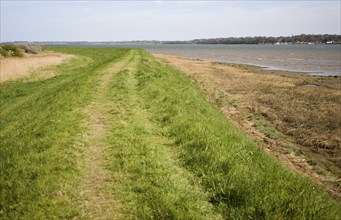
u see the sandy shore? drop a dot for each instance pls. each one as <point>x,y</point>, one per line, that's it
<point>12,68</point>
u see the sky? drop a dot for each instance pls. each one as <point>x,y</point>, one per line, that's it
<point>164,20</point>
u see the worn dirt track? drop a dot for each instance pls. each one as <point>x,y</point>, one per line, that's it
<point>96,199</point>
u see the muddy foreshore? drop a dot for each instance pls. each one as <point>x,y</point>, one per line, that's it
<point>293,116</point>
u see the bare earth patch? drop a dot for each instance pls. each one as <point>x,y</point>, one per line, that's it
<point>298,123</point>
<point>12,68</point>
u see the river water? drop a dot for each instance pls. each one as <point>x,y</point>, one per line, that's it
<point>315,59</point>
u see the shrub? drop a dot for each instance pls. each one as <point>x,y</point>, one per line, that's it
<point>33,49</point>
<point>3,52</point>
<point>12,50</point>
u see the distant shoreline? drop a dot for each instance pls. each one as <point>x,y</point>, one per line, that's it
<point>296,39</point>
<point>305,59</point>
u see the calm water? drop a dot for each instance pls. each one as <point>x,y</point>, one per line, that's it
<point>318,59</point>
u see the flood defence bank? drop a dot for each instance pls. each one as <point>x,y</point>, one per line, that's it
<point>165,150</point>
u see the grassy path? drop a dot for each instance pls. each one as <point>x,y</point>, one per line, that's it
<point>127,137</point>
<point>148,175</point>
<point>39,125</point>
<point>97,202</point>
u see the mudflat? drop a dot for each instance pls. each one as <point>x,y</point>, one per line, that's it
<point>12,68</point>
<point>294,116</point>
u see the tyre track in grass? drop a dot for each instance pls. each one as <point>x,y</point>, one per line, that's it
<point>147,172</point>
<point>95,198</point>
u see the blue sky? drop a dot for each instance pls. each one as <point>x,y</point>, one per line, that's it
<point>164,20</point>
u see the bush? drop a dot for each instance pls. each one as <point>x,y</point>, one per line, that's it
<point>3,52</point>
<point>11,50</point>
<point>33,49</point>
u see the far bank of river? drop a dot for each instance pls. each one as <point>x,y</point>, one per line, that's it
<point>314,59</point>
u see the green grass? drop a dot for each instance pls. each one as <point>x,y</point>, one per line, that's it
<point>172,154</point>
<point>39,122</point>
<point>240,179</point>
<point>148,176</point>
<point>266,127</point>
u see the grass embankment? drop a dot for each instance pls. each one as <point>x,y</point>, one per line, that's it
<point>161,147</point>
<point>39,122</point>
<point>239,179</point>
<point>297,117</point>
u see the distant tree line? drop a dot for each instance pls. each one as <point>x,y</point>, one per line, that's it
<point>297,39</point>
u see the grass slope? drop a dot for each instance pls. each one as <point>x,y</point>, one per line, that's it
<point>240,179</point>
<point>170,153</point>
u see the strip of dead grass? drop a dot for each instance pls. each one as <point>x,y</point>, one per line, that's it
<point>295,117</point>
<point>13,68</point>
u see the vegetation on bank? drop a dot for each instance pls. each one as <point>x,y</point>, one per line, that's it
<point>12,50</point>
<point>296,39</point>
<point>171,153</point>
<point>239,179</point>
<point>287,112</point>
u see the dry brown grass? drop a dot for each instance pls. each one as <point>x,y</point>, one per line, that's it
<point>12,68</point>
<point>305,109</point>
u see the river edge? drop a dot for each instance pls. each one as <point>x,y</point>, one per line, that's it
<point>315,78</point>
<point>259,101</point>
